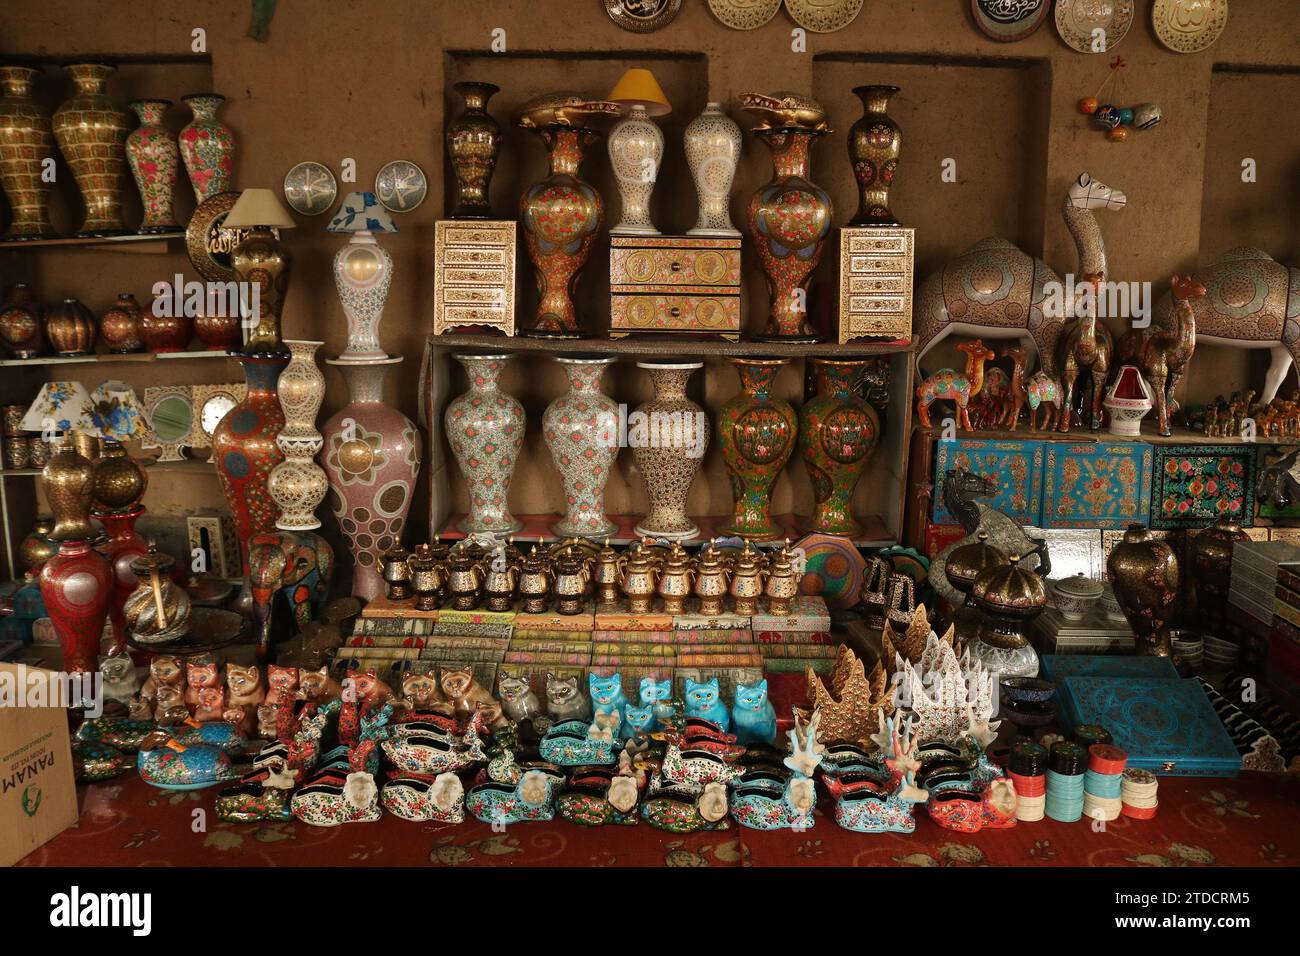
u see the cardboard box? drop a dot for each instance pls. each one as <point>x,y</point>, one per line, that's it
<point>38,796</point>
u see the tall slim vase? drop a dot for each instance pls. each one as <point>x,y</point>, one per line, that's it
<point>485,428</point>
<point>155,161</point>
<point>26,143</point>
<point>297,484</point>
<point>121,547</point>
<point>713,142</point>
<point>756,432</point>
<point>581,430</point>
<point>372,459</point>
<point>875,142</point>
<point>207,146</point>
<point>91,133</point>
<point>473,141</point>
<point>670,463</point>
<point>838,431</point>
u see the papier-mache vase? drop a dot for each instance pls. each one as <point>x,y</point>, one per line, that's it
<point>297,484</point>
<point>669,464</point>
<point>756,432</point>
<point>838,431</point>
<point>26,143</point>
<point>122,546</point>
<point>713,143</point>
<point>91,133</point>
<point>485,428</point>
<point>207,146</point>
<point>372,459</point>
<point>473,142</point>
<point>875,142</point>
<point>155,162</point>
<point>581,430</point>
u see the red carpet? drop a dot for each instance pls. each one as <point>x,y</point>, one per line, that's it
<point>1253,820</point>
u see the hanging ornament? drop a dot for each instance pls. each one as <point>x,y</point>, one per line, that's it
<point>1115,120</point>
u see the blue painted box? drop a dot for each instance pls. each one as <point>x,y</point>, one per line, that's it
<point>1057,667</point>
<point>1015,464</point>
<point>1103,485</point>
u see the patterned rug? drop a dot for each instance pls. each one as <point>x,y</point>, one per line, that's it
<point>1253,820</point>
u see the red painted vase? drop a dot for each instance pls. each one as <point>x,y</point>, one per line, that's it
<point>244,447</point>
<point>208,146</point>
<point>76,585</point>
<point>154,157</point>
<point>756,432</point>
<point>122,547</point>
<point>838,431</point>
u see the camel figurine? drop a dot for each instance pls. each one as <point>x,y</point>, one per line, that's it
<point>1041,389</point>
<point>948,384</point>
<point>1044,392</point>
<point>986,407</point>
<point>996,291</point>
<point>1163,355</point>
<point>1086,345</point>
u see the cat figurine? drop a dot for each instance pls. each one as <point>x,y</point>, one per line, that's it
<point>517,698</point>
<point>369,689</point>
<point>638,720</point>
<point>565,699</point>
<point>202,675</point>
<point>245,685</point>
<point>607,698</point>
<point>703,700</point>
<point>467,697</point>
<point>318,686</point>
<point>164,671</point>
<point>753,717</point>
<point>210,705</point>
<point>659,695</point>
<point>282,684</point>
<point>420,693</point>
<point>169,707</point>
<point>120,680</point>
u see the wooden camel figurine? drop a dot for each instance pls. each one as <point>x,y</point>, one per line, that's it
<point>946,383</point>
<point>1086,345</point>
<point>1040,390</point>
<point>1163,354</point>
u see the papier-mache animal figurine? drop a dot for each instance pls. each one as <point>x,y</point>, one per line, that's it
<point>638,721</point>
<point>954,386</point>
<point>1163,354</point>
<point>990,807</point>
<point>318,686</point>
<point>120,679</point>
<point>763,801</point>
<point>418,799</point>
<point>607,701</point>
<point>166,763</point>
<point>574,743</point>
<point>198,676</point>
<point>753,718</point>
<point>467,696</point>
<point>565,699</point>
<point>705,700</point>
<point>164,671</point>
<point>689,767</point>
<point>428,747</point>
<point>337,794</point>
<point>685,809</point>
<point>659,695</point>
<point>518,702</point>
<point>595,796</point>
<point>531,799</point>
<point>865,805</point>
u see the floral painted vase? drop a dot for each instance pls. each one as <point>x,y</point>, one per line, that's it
<point>91,133</point>
<point>485,427</point>
<point>26,142</point>
<point>119,327</point>
<point>562,216</point>
<point>838,431</point>
<point>207,146</point>
<point>757,434</point>
<point>581,430</point>
<point>875,142</point>
<point>244,447</point>
<point>669,464</point>
<point>297,484</point>
<point>372,458</point>
<point>155,160</point>
<point>121,547</point>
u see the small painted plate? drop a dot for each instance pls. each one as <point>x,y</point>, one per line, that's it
<point>823,16</point>
<point>1189,26</point>
<point>833,568</point>
<point>744,14</point>
<point>1009,20</point>
<point>643,16</point>
<point>1077,19</point>
<point>309,188</point>
<point>208,242</point>
<point>400,186</point>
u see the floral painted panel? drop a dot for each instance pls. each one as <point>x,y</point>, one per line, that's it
<point>1091,485</point>
<point>1015,464</point>
<point>1194,484</point>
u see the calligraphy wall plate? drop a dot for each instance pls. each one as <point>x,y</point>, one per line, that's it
<point>744,14</point>
<point>310,188</point>
<point>643,16</point>
<point>209,243</point>
<point>1189,26</point>
<point>400,186</point>
<point>1009,20</point>
<point>823,16</point>
<point>1077,19</point>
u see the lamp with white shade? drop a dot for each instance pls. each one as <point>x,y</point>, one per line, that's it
<point>261,260</point>
<point>363,272</point>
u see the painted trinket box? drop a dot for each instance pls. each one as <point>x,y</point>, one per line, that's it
<point>92,762</point>
<point>426,747</point>
<point>1192,485</point>
<point>441,800</point>
<point>570,743</point>
<point>681,809</point>
<point>595,796</point>
<point>165,763</point>
<point>337,794</point>
<point>876,265</point>
<point>1091,485</point>
<point>531,799</point>
<point>674,284</point>
<point>474,275</point>
<point>1014,465</point>
<point>765,800</point>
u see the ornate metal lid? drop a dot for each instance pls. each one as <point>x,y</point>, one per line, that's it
<point>1010,589</point>
<point>784,110</point>
<point>967,562</point>
<point>1079,586</point>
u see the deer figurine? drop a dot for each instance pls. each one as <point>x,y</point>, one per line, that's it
<point>948,384</point>
<point>761,801</point>
<point>1163,354</point>
<point>886,809</point>
<point>1085,346</point>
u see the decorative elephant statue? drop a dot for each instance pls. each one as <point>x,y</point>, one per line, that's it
<point>299,564</point>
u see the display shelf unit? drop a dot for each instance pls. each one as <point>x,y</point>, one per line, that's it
<point>649,346</point>
<point>132,242</point>
<point>109,358</point>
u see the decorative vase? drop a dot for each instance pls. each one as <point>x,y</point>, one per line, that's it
<point>244,447</point>
<point>1143,571</point>
<point>1212,565</point>
<point>485,427</point>
<point>297,484</point>
<point>561,217</point>
<point>473,140</point>
<point>262,259</point>
<point>875,142</point>
<point>166,333</point>
<point>838,431</point>
<point>756,433</point>
<point>636,150</point>
<point>91,133</point>
<point>372,459</point>
<point>120,326</point>
<point>120,548</point>
<point>38,547</point>
<point>581,430</point>
<point>70,327</point>
<point>26,142</point>
<point>155,160</point>
<point>20,323</point>
<point>208,146</point>
<point>713,142</point>
<point>789,219</point>
<point>1009,597</point>
<point>669,464</point>
<point>120,482</point>
<point>363,273</point>
<point>217,332</point>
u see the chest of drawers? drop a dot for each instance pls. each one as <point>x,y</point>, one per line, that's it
<point>474,274</point>
<point>876,283</point>
<point>674,284</point>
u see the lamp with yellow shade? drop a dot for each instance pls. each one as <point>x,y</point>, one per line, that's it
<point>636,148</point>
<point>261,260</point>
<point>363,272</point>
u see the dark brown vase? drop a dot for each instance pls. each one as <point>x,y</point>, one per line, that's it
<point>473,140</point>
<point>38,547</point>
<point>166,333</point>
<point>20,323</point>
<point>1144,573</point>
<point>875,142</point>
<point>26,142</point>
<point>1212,565</point>
<point>119,327</point>
<point>91,133</point>
<point>70,327</point>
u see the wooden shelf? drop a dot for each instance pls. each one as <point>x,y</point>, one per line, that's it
<point>652,346</point>
<point>155,242</point>
<point>108,358</point>
<point>188,466</point>
<point>1181,436</point>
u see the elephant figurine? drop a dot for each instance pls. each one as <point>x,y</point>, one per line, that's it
<point>298,564</point>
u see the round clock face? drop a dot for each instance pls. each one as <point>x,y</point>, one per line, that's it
<point>401,186</point>
<point>310,188</point>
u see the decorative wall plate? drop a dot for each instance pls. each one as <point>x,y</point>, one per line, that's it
<point>1189,26</point>
<point>309,188</point>
<point>823,16</point>
<point>1009,20</point>
<point>208,242</point>
<point>1077,19</point>
<point>744,14</point>
<point>643,16</point>
<point>400,186</point>
<point>833,568</point>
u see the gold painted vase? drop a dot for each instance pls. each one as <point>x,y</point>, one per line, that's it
<point>473,141</point>
<point>26,143</point>
<point>1212,565</point>
<point>71,328</point>
<point>298,485</point>
<point>91,133</point>
<point>875,142</point>
<point>1143,570</point>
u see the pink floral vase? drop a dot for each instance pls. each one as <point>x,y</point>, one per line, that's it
<point>207,146</point>
<point>485,427</point>
<point>155,160</point>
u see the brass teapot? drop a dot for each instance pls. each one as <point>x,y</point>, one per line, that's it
<point>747,580</point>
<point>639,578</point>
<point>675,579</point>
<point>782,584</point>
<point>500,581</point>
<point>427,578</point>
<point>572,575</point>
<point>464,579</point>
<point>397,573</point>
<point>712,575</point>
<point>535,577</point>
<point>606,570</point>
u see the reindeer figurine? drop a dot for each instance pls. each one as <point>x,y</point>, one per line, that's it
<point>948,384</point>
<point>1086,346</point>
<point>761,801</point>
<point>1163,354</point>
<point>887,809</point>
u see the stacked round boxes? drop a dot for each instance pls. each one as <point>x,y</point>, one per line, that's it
<point>1138,793</point>
<point>1027,769</point>
<point>1065,797</point>
<point>1102,783</point>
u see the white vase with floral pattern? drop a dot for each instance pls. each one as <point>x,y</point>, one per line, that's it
<point>485,428</point>
<point>581,430</point>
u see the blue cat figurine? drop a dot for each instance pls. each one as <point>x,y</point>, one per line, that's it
<point>607,698</point>
<point>638,720</point>
<point>659,695</point>
<point>753,716</point>
<point>704,700</point>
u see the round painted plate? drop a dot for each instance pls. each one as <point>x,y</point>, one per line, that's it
<point>1189,26</point>
<point>643,16</point>
<point>744,14</point>
<point>309,188</point>
<point>833,568</point>
<point>1009,20</point>
<point>1077,19</point>
<point>208,242</point>
<point>400,186</point>
<point>823,16</point>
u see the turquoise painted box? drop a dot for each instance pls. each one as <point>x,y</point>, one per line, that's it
<point>1104,485</point>
<point>1014,464</point>
<point>1057,667</point>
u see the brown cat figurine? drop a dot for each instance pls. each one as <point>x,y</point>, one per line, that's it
<point>467,696</point>
<point>201,675</point>
<point>318,686</point>
<point>369,689</point>
<point>169,706</point>
<point>245,685</point>
<point>282,684</point>
<point>420,693</point>
<point>163,672</point>
<point>211,705</point>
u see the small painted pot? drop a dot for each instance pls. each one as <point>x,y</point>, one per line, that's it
<point>71,328</point>
<point>166,333</point>
<point>120,326</point>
